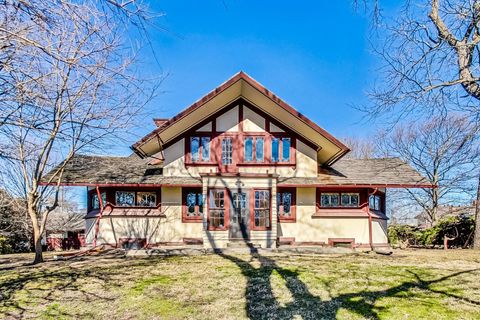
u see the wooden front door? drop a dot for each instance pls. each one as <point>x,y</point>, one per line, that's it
<point>239,216</point>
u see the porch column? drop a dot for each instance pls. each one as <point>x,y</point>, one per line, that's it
<point>274,231</point>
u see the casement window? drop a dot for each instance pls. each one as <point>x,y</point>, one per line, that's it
<point>200,149</point>
<point>254,149</point>
<point>350,199</point>
<point>374,202</point>
<point>286,204</point>
<point>261,210</point>
<point>335,199</point>
<point>192,204</point>
<point>146,199</point>
<point>329,200</point>
<point>95,203</point>
<point>217,210</point>
<point>281,149</point>
<point>227,151</point>
<point>125,198</point>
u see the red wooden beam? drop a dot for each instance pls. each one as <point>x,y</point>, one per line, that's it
<point>97,223</point>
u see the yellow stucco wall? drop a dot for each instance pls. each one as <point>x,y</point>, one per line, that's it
<point>308,229</point>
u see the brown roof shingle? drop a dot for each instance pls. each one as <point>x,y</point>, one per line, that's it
<point>376,172</point>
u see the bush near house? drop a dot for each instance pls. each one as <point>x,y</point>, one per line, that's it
<point>460,228</point>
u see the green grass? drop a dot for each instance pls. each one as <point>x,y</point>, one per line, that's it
<point>419,284</point>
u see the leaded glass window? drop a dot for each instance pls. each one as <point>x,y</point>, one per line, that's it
<point>96,203</point>
<point>217,209</point>
<point>350,199</point>
<point>227,151</point>
<point>329,200</point>
<point>146,199</point>
<point>261,209</point>
<point>125,198</point>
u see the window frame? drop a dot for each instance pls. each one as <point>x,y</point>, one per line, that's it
<point>350,199</point>
<point>293,205</point>
<point>292,148</point>
<point>226,207</point>
<point>252,210</point>
<point>126,191</point>
<point>188,149</point>
<point>380,202</point>
<point>198,217</point>
<point>92,197</point>
<point>340,193</point>
<point>231,151</point>
<point>146,191</point>
<point>255,137</point>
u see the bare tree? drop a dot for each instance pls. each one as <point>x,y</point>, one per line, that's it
<point>361,148</point>
<point>68,84</point>
<point>431,58</point>
<point>445,150</point>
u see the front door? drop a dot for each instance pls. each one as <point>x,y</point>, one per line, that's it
<point>239,216</point>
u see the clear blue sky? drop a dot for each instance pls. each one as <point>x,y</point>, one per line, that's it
<point>315,55</point>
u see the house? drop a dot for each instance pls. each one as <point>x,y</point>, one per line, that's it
<point>240,165</point>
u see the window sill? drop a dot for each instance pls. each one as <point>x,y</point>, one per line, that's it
<point>287,220</point>
<point>261,229</point>
<point>217,229</point>
<point>192,220</point>
<point>265,164</point>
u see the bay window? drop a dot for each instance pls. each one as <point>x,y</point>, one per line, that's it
<point>374,202</point>
<point>95,203</point>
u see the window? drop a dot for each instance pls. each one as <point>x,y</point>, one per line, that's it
<point>286,204</point>
<point>350,199</point>
<point>217,210</point>
<point>281,149</point>
<point>192,204</point>
<point>374,202</point>
<point>329,200</point>
<point>200,149</point>
<point>125,198</point>
<point>254,149</point>
<point>95,203</point>
<point>227,151</point>
<point>261,209</point>
<point>146,199</point>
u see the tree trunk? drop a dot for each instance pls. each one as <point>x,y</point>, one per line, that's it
<point>37,235</point>
<point>38,248</point>
<point>476,238</point>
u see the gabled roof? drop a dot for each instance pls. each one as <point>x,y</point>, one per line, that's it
<point>378,172</point>
<point>241,85</point>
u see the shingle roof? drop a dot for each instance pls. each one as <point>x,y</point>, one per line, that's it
<point>376,172</point>
<point>95,170</point>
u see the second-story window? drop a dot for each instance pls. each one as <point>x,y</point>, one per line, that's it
<point>254,149</point>
<point>200,149</point>
<point>375,202</point>
<point>227,151</point>
<point>281,149</point>
<point>146,199</point>
<point>125,198</point>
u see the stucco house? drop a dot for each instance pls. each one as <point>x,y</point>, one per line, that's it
<point>238,166</point>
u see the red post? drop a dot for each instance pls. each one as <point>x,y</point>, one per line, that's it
<point>370,225</point>
<point>97,223</point>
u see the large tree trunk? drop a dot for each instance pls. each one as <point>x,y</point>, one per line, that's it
<point>476,238</point>
<point>37,233</point>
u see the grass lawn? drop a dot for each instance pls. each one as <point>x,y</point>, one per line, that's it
<point>418,284</point>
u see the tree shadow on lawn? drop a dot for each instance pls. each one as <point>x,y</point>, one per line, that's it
<point>262,304</point>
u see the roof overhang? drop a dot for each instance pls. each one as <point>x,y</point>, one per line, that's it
<point>329,149</point>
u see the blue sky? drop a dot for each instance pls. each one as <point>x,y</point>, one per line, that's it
<point>316,56</point>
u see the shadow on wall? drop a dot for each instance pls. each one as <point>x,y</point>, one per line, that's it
<point>261,302</point>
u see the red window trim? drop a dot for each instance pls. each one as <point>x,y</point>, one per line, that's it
<point>111,197</point>
<point>226,205</point>
<point>185,218</point>
<point>293,217</point>
<point>252,210</point>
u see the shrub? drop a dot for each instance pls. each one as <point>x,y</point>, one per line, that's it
<point>5,246</point>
